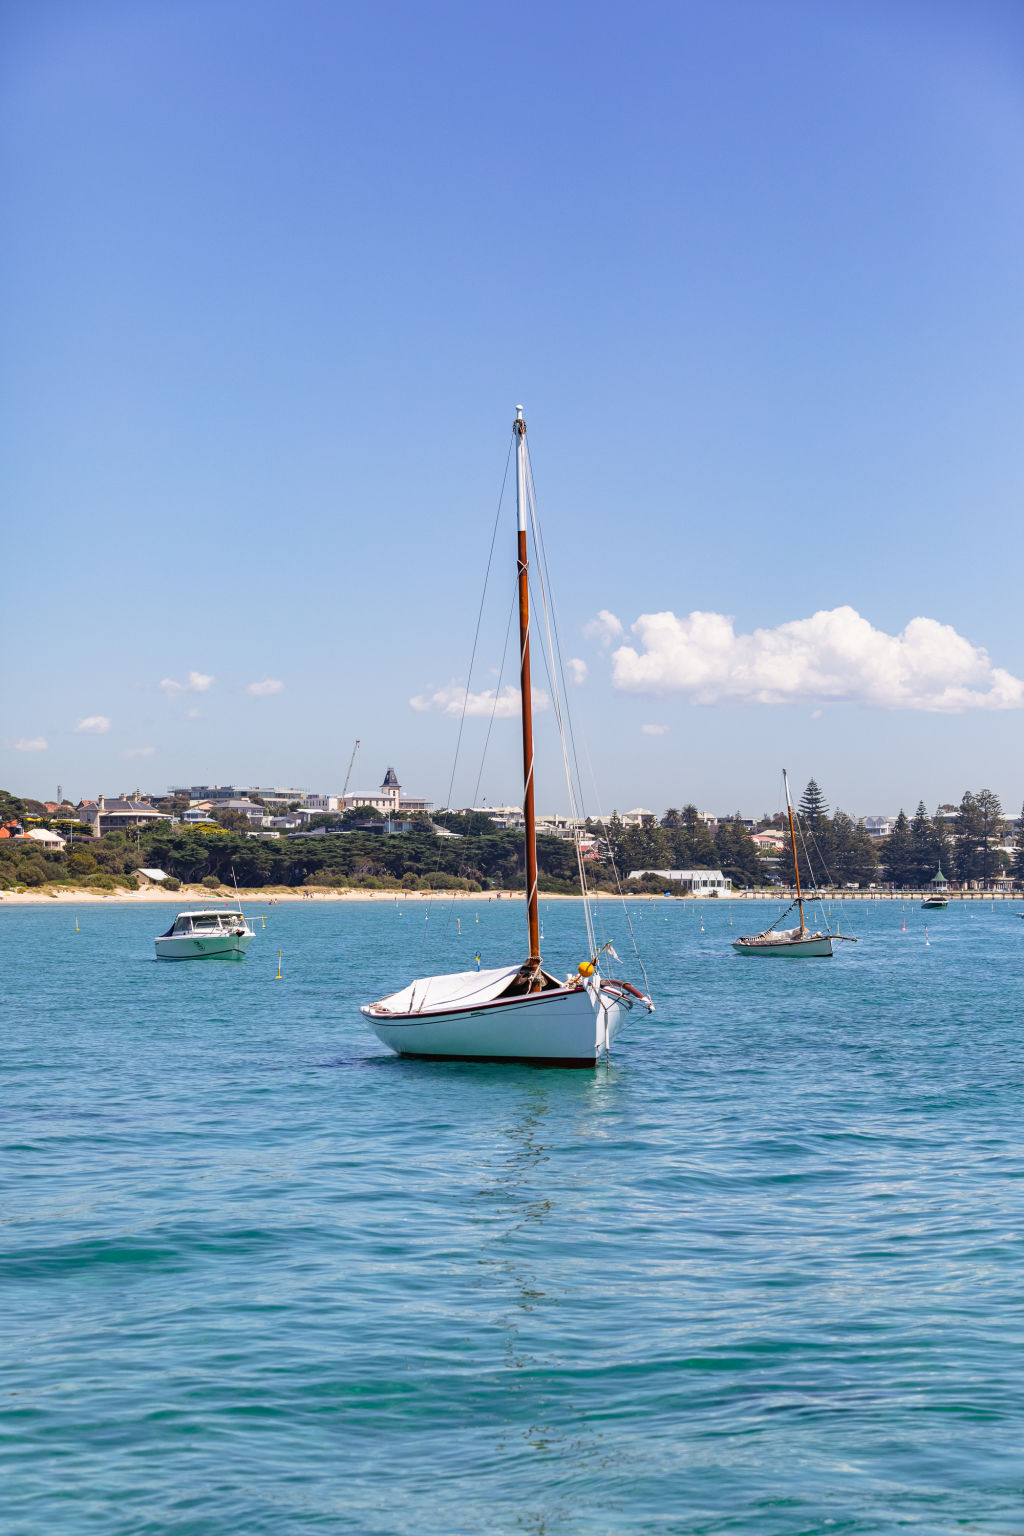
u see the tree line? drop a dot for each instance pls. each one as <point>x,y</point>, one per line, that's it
<point>832,849</point>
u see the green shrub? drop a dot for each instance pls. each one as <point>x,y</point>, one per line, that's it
<point>81,862</point>
<point>171,884</point>
<point>211,882</point>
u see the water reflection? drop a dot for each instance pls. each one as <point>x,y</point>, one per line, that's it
<point>529,1262</point>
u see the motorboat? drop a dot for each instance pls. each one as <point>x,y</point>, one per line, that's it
<point>938,899</point>
<point>206,934</point>
<point>518,1012</point>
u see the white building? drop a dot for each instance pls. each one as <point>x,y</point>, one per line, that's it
<point>700,882</point>
<point>43,838</point>
<point>389,799</point>
<point>316,803</point>
<point>122,814</point>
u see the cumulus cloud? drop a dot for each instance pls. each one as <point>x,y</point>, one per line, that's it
<point>138,752</point>
<point>198,682</point>
<point>606,628</point>
<point>654,730</point>
<point>268,685</point>
<point>31,744</point>
<point>449,700</point>
<point>835,656</point>
<point>577,670</point>
<point>93,725</point>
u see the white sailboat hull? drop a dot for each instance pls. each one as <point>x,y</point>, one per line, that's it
<point>570,1027</point>
<point>207,946</point>
<point>819,946</point>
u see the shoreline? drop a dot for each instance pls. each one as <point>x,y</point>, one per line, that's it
<point>189,896</point>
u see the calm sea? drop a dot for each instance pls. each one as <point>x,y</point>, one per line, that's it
<point>765,1273</point>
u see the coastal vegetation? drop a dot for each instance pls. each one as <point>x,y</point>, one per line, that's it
<point>470,852</point>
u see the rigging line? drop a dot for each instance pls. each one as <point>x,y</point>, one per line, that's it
<point>494,705</point>
<point>497,690</point>
<point>615,872</point>
<point>539,540</point>
<point>810,867</point>
<point>558,642</point>
<point>550,668</point>
<point>558,667</point>
<point>548,660</point>
<point>469,679</point>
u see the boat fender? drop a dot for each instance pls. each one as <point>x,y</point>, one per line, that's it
<point>610,981</point>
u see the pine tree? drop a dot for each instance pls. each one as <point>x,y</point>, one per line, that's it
<point>898,852</point>
<point>922,840</point>
<point>945,858</point>
<point>967,838</point>
<point>737,853</point>
<point>844,848</point>
<point>813,806</point>
<point>1018,850</point>
<point>990,829</point>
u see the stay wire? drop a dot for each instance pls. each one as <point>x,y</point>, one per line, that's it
<point>469,678</point>
<point>575,803</point>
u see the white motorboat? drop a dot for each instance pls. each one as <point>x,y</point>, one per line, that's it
<point>208,934</point>
<point>517,1012</point>
<point>798,943</point>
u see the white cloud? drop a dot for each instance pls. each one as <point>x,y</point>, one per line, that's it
<point>138,752</point>
<point>268,685</point>
<point>93,725</point>
<point>654,730</point>
<point>449,701</point>
<point>198,682</point>
<point>31,744</point>
<point>606,628</point>
<point>577,670</point>
<point>192,714</point>
<point>833,657</point>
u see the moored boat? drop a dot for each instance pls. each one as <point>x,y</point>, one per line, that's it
<point>518,1012</point>
<point>938,899</point>
<point>798,943</point>
<point>205,935</point>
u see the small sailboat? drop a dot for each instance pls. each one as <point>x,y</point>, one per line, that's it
<point>518,1012</point>
<point>792,943</point>
<point>205,935</point>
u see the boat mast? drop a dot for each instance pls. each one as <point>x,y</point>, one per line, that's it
<point>529,815</point>
<point>792,837</point>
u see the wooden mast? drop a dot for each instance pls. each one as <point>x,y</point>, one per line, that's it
<point>529,814</point>
<point>796,861</point>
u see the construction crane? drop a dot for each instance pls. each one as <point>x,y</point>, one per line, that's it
<point>348,775</point>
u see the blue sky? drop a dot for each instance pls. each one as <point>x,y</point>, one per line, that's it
<point>275,276</point>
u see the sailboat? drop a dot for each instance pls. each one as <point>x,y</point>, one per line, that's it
<point>794,943</point>
<point>518,1012</point>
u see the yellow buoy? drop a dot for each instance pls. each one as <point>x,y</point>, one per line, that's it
<point>585,968</point>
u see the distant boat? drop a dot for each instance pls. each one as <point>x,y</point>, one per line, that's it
<point>793,943</point>
<point>517,1012</point>
<point>205,935</point>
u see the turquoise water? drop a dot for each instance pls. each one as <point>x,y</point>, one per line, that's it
<point>763,1274</point>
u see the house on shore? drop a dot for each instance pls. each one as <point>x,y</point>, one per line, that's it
<point>123,813</point>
